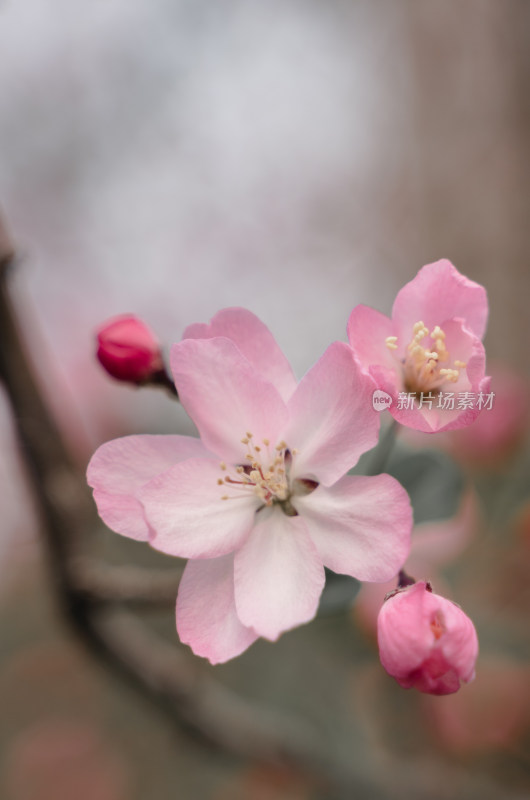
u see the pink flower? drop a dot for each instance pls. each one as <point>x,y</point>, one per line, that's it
<point>426,641</point>
<point>261,503</point>
<point>128,349</point>
<point>431,346</point>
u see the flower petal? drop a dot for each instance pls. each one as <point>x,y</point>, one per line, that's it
<point>460,643</point>
<point>255,341</point>
<point>407,644</point>
<point>118,469</point>
<point>367,333</point>
<point>206,612</point>
<point>439,293</point>
<point>279,575</point>
<point>187,516</point>
<point>361,526</point>
<point>332,417</point>
<point>225,396</point>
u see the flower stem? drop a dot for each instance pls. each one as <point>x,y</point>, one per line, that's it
<point>382,452</point>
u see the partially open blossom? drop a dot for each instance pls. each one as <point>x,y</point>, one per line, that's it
<point>429,355</point>
<point>128,349</point>
<point>426,641</point>
<point>261,503</point>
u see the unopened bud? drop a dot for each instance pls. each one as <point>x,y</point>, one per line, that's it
<point>426,641</point>
<point>129,350</point>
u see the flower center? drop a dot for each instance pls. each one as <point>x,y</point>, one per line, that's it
<point>426,368</point>
<point>264,472</point>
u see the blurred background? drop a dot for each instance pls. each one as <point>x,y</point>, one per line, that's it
<point>173,157</point>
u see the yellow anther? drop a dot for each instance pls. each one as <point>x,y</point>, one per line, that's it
<point>266,442</point>
<point>450,374</point>
<point>224,497</point>
<point>244,440</point>
<point>249,435</point>
<point>391,342</point>
<point>421,366</point>
<point>220,481</point>
<point>222,465</point>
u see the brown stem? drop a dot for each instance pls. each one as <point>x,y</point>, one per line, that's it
<point>130,585</point>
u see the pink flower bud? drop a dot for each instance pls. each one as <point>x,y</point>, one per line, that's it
<point>128,349</point>
<point>426,641</point>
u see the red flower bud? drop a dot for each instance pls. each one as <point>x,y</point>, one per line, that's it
<point>128,349</point>
<point>426,641</point>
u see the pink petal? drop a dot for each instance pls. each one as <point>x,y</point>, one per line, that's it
<point>279,575</point>
<point>255,341</point>
<point>404,627</point>
<point>360,526</point>
<point>439,293</point>
<point>206,612</point>
<point>391,382</point>
<point>459,644</point>
<point>187,516</point>
<point>332,418</point>
<point>225,396</point>
<point>118,469</point>
<point>367,333</point>
<point>435,676</point>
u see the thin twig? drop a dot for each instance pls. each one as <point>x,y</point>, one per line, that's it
<point>130,585</point>
<point>382,452</point>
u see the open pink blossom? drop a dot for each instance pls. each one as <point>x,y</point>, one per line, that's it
<point>429,355</point>
<point>426,641</point>
<point>261,503</point>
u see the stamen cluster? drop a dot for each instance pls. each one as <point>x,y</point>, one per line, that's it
<point>422,365</point>
<point>264,472</point>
